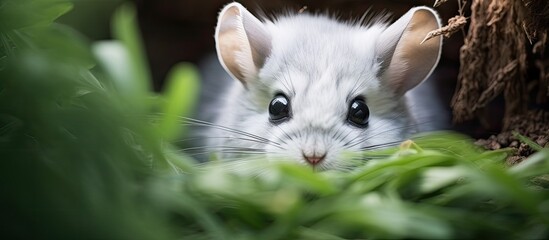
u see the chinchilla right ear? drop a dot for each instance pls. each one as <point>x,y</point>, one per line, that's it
<point>405,60</point>
<point>242,42</point>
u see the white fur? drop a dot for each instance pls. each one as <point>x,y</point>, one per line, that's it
<point>321,65</point>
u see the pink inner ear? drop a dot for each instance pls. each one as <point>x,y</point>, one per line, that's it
<point>228,40</point>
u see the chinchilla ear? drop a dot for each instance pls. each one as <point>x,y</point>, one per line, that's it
<point>242,42</point>
<point>405,61</point>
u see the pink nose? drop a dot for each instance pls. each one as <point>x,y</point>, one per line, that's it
<point>314,160</point>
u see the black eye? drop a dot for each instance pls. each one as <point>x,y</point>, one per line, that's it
<point>279,109</point>
<point>358,113</point>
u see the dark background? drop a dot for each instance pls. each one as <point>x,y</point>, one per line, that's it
<point>182,30</point>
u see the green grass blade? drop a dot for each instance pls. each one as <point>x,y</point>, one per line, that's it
<point>18,14</point>
<point>135,78</point>
<point>529,142</point>
<point>180,97</point>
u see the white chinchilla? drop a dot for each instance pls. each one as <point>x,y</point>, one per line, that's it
<point>309,88</point>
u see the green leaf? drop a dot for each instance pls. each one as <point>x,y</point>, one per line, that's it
<point>114,59</point>
<point>180,97</point>
<point>17,14</point>
<point>529,142</point>
<point>134,77</point>
<point>535,165</point>
<point>308,179</point>
<point>436,178</point>
<point>59,41</point>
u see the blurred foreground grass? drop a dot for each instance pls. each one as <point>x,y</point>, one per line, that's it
<point>85,150</point>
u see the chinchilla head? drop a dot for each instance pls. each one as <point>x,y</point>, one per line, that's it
<point>310,89</point>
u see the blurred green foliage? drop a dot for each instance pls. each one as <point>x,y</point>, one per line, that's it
<point>77,153</point>
<point>91,17</point>
<point>86,154</point>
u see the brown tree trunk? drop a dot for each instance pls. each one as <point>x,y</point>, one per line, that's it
<point>493,60</point>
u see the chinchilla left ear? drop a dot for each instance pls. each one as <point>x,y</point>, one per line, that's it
<point>242,42</point>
